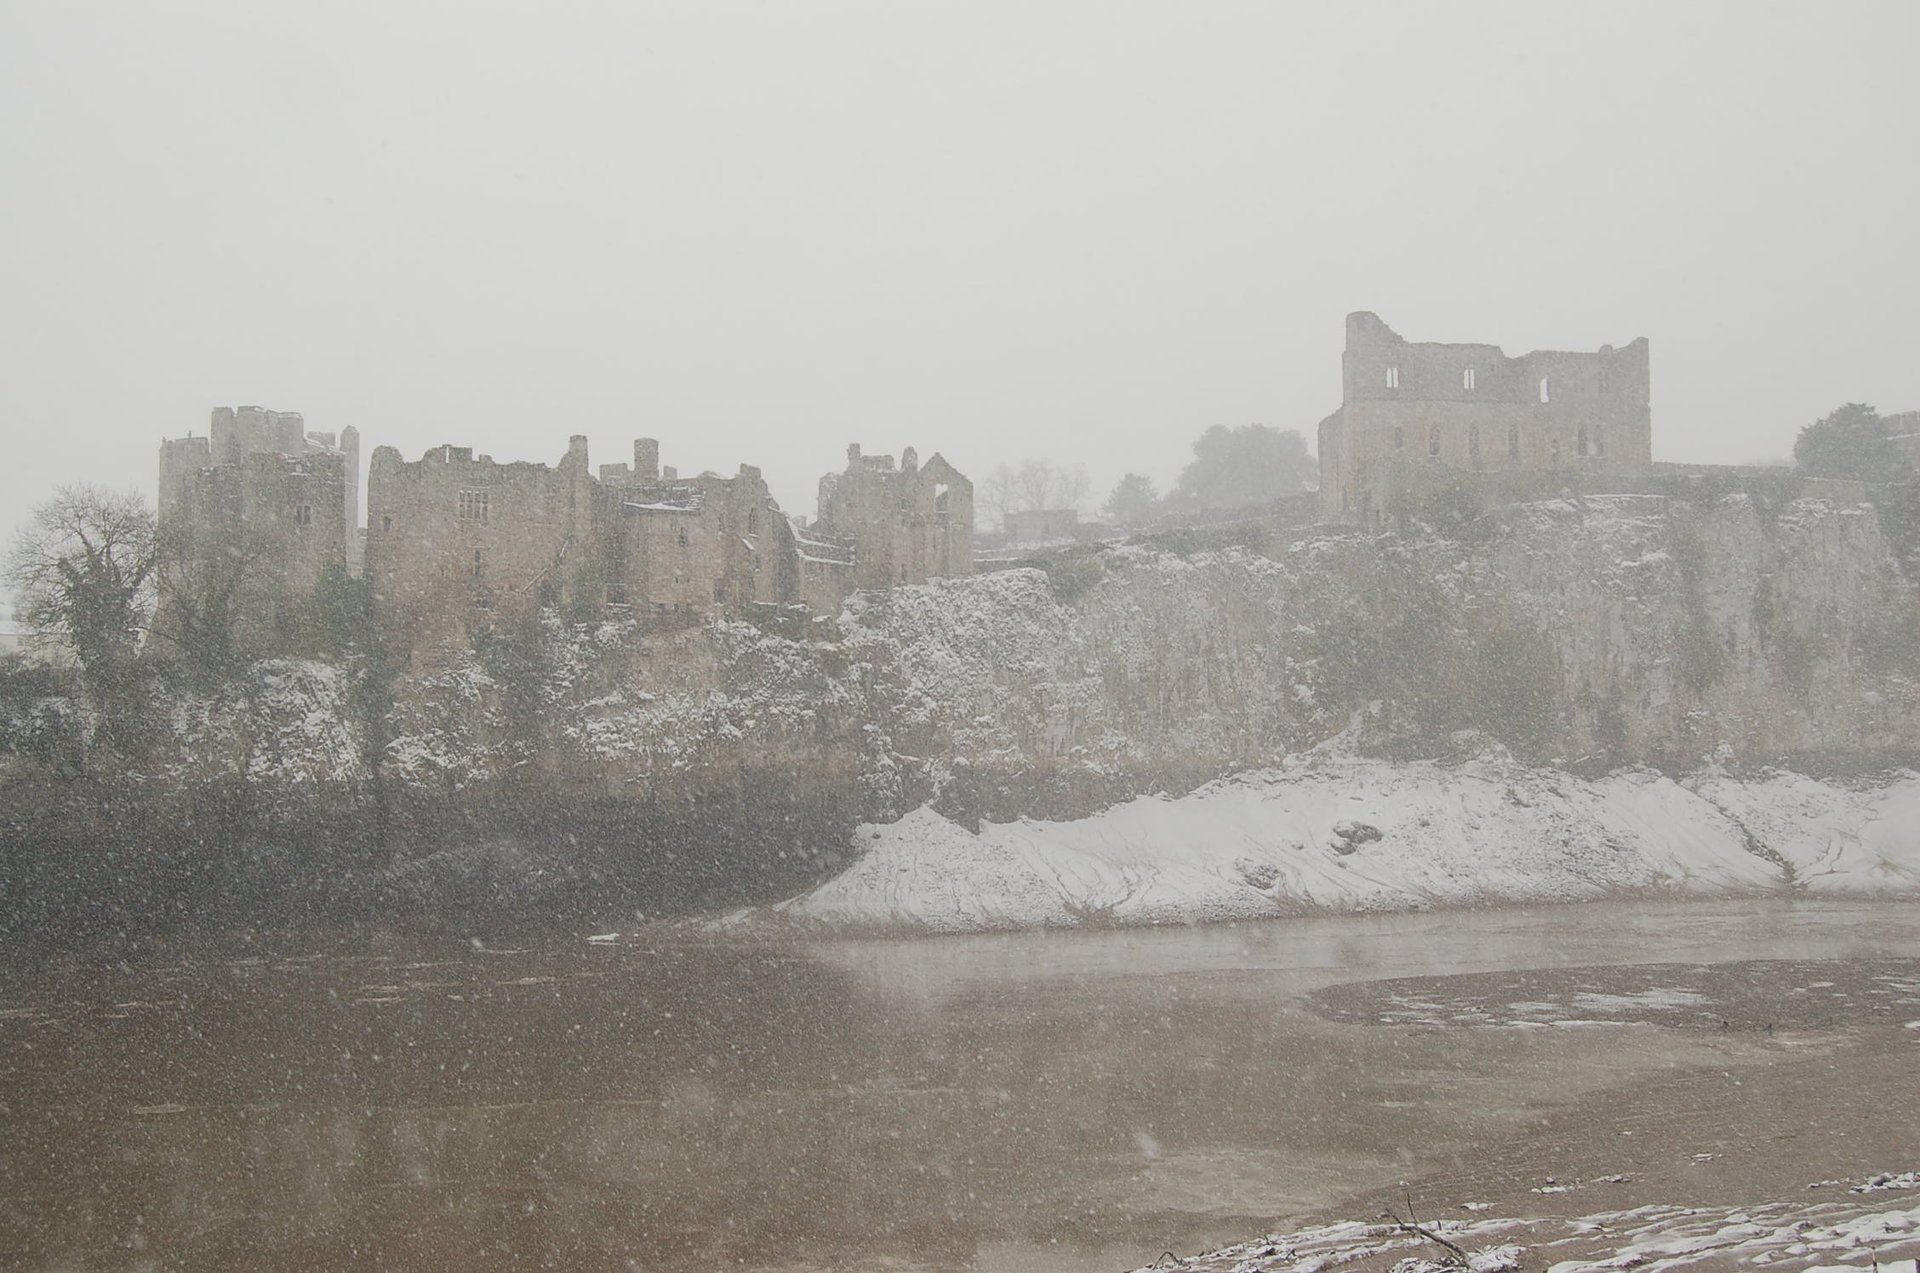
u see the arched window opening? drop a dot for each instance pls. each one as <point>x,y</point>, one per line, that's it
<point>1393,377</point>
<point>1466,378</point>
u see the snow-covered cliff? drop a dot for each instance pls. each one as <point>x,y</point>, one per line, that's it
<point>700,764</point>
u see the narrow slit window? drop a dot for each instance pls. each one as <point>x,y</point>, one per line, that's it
<point>1546,390</point>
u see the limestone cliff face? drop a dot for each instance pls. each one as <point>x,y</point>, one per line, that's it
<point>1626,630</point>
<point>727,761</point>
<point>1775,634</point>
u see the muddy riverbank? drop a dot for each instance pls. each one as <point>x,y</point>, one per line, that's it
<point>1021,1102</point>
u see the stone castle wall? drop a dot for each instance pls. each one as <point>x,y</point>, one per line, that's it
<point>695,545</point>
<point>456,541</point>
<point>243,545</point>
<point>906,524</point>
<point>457,544</point>
<point>1470,409</point>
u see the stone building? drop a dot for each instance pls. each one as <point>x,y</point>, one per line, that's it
<point>255,514</point>
<point>458,543</point>
<point>1413,415</point>
<point>691,545</point>
<point>250,519</point>
<point>903,524</point>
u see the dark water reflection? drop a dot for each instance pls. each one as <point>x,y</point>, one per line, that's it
<point>1059,1102</point>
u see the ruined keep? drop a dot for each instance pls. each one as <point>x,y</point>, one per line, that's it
<point>1416,415</point>
<point>251,517</point>
<point>902,524</point>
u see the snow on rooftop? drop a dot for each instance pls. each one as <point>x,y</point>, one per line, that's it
<point>673,499</point>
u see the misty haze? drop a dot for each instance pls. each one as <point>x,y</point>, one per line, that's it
<point>1237,638</point>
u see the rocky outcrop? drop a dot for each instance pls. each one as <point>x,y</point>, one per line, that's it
<point>729,761</point>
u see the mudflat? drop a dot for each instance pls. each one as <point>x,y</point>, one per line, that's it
<point>1055,1101</point>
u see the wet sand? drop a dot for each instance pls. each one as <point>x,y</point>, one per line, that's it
<point>1833,1102</point>
<point>1051,1101</point>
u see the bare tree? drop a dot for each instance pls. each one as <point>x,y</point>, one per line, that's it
<point>206,575</point>
<point>995,495</point>
<point>1036,484</point>
<point>82,570</point>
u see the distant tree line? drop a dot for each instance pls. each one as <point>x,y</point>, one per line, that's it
<point>1231,468</point>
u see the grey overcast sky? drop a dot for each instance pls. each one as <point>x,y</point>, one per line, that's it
<point>997,230</point>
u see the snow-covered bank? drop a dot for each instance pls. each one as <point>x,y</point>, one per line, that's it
<point>1830,1236</point>
<point>1342,833</point>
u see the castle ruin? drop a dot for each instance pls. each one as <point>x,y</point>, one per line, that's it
<point>904,524</point>
<point>251,517</point>
<point>458,543</point>
<point>1414,416</point>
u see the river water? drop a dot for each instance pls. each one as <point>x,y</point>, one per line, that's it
<point>1051,1101</point>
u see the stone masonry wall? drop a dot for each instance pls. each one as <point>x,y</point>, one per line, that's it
<point>457,543</point>
<point>1547,410</point>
